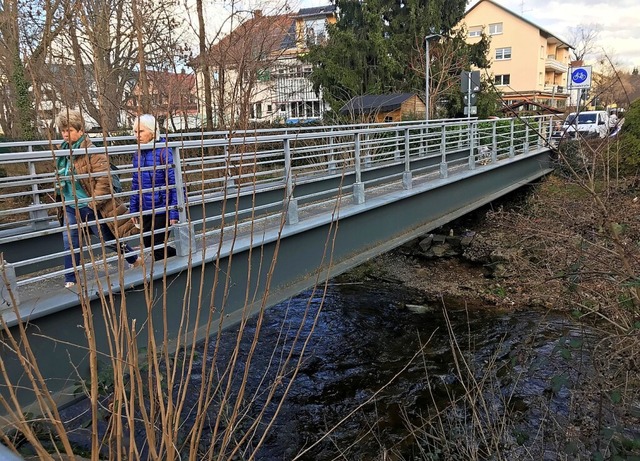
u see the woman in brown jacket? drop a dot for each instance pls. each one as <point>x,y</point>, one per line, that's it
<point>86,199</point>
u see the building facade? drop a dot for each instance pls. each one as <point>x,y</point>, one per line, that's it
<point>528,63</point>
<point>257,73</point>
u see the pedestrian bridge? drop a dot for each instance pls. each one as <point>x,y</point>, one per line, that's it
<point>266,214</point>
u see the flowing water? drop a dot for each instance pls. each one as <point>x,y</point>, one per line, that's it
<point>385,359</point>
<point>380,372</point>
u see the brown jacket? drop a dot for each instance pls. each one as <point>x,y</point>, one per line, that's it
<point>96,186</point>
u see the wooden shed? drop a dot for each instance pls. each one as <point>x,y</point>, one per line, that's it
<point>384,107</point>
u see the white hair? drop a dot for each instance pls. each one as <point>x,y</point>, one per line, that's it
<point>147,121</point>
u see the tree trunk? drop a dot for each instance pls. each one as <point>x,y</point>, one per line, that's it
<point>204,63</point>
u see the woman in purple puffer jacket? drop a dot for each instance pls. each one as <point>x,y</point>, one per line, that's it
<point>153,187</point>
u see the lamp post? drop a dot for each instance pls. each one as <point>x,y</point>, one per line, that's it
<point>426,74</point>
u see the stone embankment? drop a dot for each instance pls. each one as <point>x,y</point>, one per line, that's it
<point>466,266</point>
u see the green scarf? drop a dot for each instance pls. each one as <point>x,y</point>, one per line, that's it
<point>78,143</point>
<point>65,168</point>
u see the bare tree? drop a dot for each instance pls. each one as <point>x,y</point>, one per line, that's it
<point>109,47</point>
<point>611,85</point>
<point>27,32</point>
<point>584,38</point>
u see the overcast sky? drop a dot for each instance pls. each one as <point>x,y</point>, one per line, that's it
<point>619,22</point>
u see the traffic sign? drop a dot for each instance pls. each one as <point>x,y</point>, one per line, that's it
<point>580,77</point>
<point>470,81</point>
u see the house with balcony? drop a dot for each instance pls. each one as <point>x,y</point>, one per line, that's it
<point>529,64</point>
<point>256,71</point>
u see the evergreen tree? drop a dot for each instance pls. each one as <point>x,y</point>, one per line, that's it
<point>24,129</point>
<point>378,47</point>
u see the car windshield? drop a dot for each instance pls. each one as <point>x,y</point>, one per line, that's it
<point>583,119</point>
<point>587,118</point>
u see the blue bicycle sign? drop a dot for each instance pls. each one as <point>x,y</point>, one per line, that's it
<point>580,77</point>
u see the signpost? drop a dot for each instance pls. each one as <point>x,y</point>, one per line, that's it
<point>470,86</point>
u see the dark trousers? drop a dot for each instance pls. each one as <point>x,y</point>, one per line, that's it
<point>71,238</point>
<point>157,223</point>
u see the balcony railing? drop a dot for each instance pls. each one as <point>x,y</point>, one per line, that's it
<point>557,89</point>
<point>552,64</point>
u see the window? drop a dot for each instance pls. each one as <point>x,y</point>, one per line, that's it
<point>475,31</point>
<point>316,31</point>
<point>495,28</point>
<point>504,79</point>
<point>503,53</point>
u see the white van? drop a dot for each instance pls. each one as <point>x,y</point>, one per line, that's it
<point>588,124</point>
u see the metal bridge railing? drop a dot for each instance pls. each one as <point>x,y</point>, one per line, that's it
<point>213,167</point>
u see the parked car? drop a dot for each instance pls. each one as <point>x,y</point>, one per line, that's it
<point>587,124</point>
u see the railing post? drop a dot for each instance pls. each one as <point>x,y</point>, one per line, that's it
<point>494,143</point>
<point>472,146</point>
<point>407,179</point>
<point>367,157</point>
<point>8,282</point>
<point>183,232</point>
<point>526,136</point>
<point>444,170</point>
<point>358,186</point>
<point>39,218</point>
<point>425,140</point>
<point>512,149</point>
<point>291,203</point>
<point>332,155</point>
<point>396,155</point>
<point>228,180</point>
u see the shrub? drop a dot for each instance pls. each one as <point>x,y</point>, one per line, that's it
<point>630,140</point>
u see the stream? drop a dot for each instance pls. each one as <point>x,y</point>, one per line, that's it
<point>387,376</point>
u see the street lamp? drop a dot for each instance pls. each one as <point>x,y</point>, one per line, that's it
<point>426,74</point>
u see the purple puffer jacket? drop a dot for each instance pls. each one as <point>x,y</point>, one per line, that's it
<point>161,197</point>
